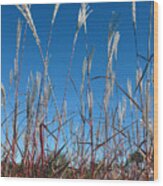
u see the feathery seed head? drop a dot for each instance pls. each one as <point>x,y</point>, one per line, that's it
<point>90,100</point>
<point>84,68</point>
<point>83,14</point>
<point>18,38</point>
<point>25,11</point>
<point>134,12</point>
<point>115,44</point>
<point>90,57</point>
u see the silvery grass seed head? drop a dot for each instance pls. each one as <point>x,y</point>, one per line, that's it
<point>134,12</point>
<point>115,44</point>
<point>83,14</point>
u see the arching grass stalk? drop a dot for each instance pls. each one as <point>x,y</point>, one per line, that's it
<point>16,72</point>
<point>83,15</point>
<point>90,109</point>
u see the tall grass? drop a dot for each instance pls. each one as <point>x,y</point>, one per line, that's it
<point>97,147</point>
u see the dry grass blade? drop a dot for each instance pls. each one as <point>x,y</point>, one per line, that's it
<point>19,30</point>
<point>143,75</point>
<point>117,84</point>
<point>61,169</point>
<point>129,87</point>
<point>130,98</point>
<point>110,138</point>
<point>74,86</point>
<point>84,142</point>
<point>90,58</point>
<point>3,95</point>
<point>134,12</point>
<point>50,133</point>
<point>84,68</point>
<point>59,151</point>
<point>55,13</point>
<point>18,39</point>
<point>56,8</point>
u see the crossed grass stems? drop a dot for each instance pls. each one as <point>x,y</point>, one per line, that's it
<point>77,157</point>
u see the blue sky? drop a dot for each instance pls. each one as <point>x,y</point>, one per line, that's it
<point>63,33</point>
<point>61,47</point>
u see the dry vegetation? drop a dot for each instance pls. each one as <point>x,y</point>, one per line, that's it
<point>108,151</point>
